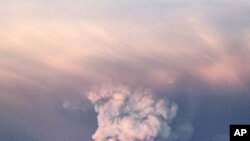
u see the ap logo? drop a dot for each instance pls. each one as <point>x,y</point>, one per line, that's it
<point>239,133</point>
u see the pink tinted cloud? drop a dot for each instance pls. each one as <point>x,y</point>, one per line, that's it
<point>114,52</point>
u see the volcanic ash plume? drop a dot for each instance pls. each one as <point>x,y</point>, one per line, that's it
<point>131,115</point>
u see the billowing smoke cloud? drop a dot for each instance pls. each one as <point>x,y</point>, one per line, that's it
<point>126,114</point>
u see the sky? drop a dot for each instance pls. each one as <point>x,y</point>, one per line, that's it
<point>61,61</point>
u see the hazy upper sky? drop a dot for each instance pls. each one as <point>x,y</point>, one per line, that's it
<point>193,52</point>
